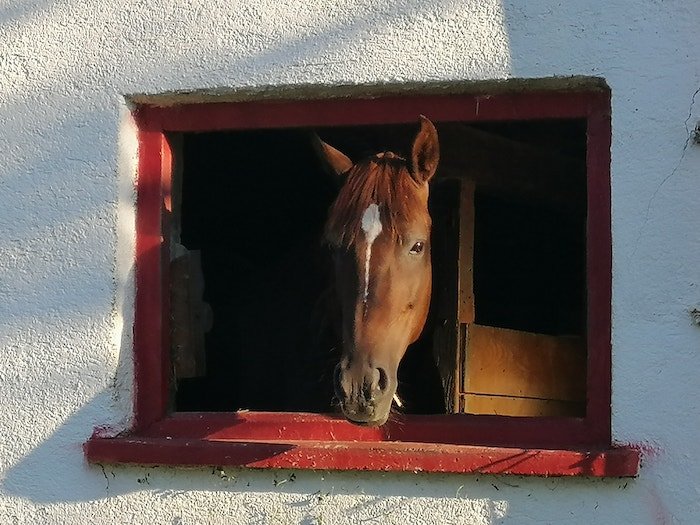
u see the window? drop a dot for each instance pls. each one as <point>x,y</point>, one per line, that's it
<point>520,322</point>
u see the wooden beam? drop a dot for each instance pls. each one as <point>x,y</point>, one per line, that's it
<point>466,253</point>
<point>500,164</point>
<point>445,201</point>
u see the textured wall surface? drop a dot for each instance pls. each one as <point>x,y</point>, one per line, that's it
<point>67,158</point>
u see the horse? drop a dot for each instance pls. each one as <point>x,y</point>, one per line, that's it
<point>378,228</point>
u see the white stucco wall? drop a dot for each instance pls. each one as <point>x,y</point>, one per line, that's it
<point>67,158</point>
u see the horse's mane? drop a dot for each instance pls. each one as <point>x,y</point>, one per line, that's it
<point>383,180</point>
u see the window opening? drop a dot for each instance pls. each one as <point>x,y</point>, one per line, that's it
<point>506,333</point>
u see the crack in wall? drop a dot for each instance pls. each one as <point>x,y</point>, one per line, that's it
<point>690,135</point>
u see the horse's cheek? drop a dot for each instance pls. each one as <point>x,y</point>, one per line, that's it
<point>421,306</point>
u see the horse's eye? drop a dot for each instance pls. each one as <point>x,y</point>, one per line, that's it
<point>417,248</point>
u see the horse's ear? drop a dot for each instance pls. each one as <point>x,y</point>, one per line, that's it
<point>336,161</point>
<point>426,152</point>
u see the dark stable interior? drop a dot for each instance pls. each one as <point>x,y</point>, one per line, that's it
<point>255,203</point>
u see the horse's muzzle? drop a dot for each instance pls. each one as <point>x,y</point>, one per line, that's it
<point>365,394</point>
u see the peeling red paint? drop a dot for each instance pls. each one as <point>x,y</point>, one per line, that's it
<point>105,432</point>
<point>648,450</point>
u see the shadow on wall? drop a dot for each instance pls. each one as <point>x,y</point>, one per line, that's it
<point>55,472</point>
<point>71,140</point>
<point>134,48</point>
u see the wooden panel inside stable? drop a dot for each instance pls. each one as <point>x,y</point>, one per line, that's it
<point>545,167</point>
<point>506,369</point>
<point>515,373</point>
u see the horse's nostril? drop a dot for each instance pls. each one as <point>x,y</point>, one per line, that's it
<point>383,379</point>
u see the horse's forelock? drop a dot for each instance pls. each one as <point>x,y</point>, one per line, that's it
<point>383,180</point>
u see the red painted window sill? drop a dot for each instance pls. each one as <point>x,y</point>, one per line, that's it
<point>261,440</point>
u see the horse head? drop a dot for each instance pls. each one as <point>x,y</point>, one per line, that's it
<point>379,229</point>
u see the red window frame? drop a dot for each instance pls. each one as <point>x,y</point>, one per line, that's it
<point>453,443</point>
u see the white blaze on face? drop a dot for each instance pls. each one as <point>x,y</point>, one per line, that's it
<point>372,226</point>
